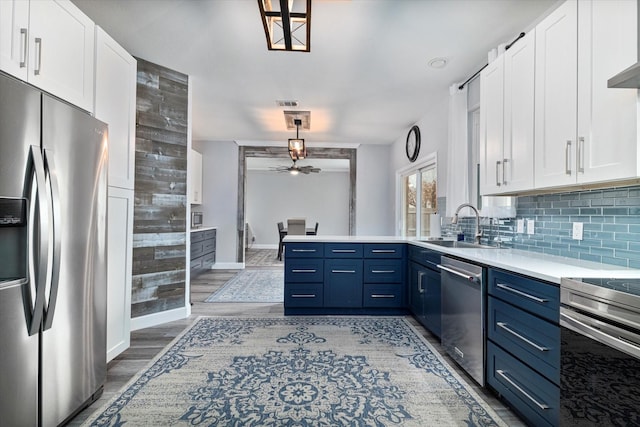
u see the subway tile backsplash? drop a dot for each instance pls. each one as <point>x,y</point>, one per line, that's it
<point>610,217</point>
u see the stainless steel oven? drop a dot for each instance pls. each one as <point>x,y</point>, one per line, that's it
<point>600,352</point>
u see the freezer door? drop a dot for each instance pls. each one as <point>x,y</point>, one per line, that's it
<point>74,348</point>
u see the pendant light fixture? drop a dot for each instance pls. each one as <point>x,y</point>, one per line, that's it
<point>297,149</point>
<point>287,24</point>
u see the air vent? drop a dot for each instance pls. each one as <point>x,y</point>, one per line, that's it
<point>303,116</point>
<point>287,103</point>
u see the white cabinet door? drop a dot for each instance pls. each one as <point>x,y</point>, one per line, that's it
<point>519,87</point>
<point>119,264</point>
<point>49,43</point>
<point>556,97</point>
<point>195,170</point>
<point>491,126</point>
<point>115,104</point>
<point>14,25</point>
<point>607,118</point>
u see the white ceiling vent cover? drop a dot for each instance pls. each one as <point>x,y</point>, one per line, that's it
<point>287,103</point>
<point>304,116</point>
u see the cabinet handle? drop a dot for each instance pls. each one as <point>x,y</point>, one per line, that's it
<point>498,173</point>
<point>303,271</point>
<point>343,251</point>
<point>383,251</point>
<point>505,326</point>
<point>504,176</point>
<point>383,271</point>
<point>303,296</point>
<point>523,294</point>
<point>303,250</point>
<point>382,296</point>
<point>459,274</point>
<point>23,45</point>
<point>36,71</point>
<point>420,287</point>
<point>567,160</point>
<point>521,390</point>
<point>580,154</point>
<point>344,271</point>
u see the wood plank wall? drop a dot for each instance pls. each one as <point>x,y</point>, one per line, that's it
<point>159,219</point>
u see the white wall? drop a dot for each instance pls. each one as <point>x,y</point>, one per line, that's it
<point>374,192</point>
<point>220,194</point>
<point>272,197</point>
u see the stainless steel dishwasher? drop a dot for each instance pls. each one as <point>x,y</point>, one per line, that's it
<point>463,315</point>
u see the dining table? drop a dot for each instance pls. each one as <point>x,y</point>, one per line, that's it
<point>309,231</point>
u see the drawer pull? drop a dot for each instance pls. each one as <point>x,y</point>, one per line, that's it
<point>303,296</point>
<point>383,271</point>
<point>303,271</point>
<point>383,251</point>
<point>523,294</point>
<point>382,296</point>
<point>520,389</point>
<point>505,326</point>
<point>303,250</point>
<point>343,251</point>
<point>343,271</point>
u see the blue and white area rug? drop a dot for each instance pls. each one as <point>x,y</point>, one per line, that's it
<point>252,285</point>
<point>298,371</point>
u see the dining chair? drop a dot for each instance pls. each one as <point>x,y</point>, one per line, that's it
<point>296,227</point>
<point>281,234</point>
<point>315,231</point>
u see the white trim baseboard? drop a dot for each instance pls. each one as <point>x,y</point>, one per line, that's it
<point>159,318</point>
<point>228,266</point>
<point>264,246</point>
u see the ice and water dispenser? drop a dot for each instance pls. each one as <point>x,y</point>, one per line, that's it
<point>13,240</point>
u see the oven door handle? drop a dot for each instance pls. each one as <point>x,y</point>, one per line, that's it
<point>569,320</point>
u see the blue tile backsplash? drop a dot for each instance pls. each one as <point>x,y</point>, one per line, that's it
<point>611,219</point>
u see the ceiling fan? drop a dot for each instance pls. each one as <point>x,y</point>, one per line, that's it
<point>295,169</point>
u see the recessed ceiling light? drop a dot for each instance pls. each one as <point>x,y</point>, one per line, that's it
<point>438,63</point>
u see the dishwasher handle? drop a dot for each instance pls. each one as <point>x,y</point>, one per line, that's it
<point>464,275</point>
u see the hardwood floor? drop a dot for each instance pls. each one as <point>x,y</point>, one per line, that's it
<point>147,343</point>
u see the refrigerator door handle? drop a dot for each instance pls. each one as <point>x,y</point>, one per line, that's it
<point>56,238</point>
<point>38,266</point>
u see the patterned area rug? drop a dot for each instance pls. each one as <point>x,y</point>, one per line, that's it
<point>298,371</point>
<point>252,285</point>
<point>261,258</point>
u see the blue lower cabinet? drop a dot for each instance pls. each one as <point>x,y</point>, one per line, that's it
<point>388,295</point>
<point>304,270</point>
<point>530,394</point>
<point>343,283</point>
<point>303,295</point>
<point>383,270</point>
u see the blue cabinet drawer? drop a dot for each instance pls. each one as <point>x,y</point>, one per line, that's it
<point>209,234</point>
<point>303,295</point>
<point>384,250</point>
<point>537,297</point>
<point>427,257</point>
<point>197,249</point>
<point>531,339</point>
<point>533,396</point>
<point>343,250</point>
<point>303,270</point>
<point>303,250</point>
<point>197,236</point>
<point>383,295</point>
<point>383,270</point>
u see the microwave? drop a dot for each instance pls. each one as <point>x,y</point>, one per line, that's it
<point>196,219</point>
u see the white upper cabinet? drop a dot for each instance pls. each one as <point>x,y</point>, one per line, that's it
<point>195,172</point>
<point>585,132</point>
<point>115,104</point>
<point>50,44</point>
<point>507,120</point>
<point>607,118</point>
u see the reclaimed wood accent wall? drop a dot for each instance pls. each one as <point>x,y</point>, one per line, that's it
<point>159,219</point>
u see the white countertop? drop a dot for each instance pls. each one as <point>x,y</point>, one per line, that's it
<point>540,266</point>
<point>204,228</point>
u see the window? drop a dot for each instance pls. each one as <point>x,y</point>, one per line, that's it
<point>419,198</point>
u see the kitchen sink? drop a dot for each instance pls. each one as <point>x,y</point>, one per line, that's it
<point>456,244</point>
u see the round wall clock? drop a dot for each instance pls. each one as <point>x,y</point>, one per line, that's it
<point>413,143</point>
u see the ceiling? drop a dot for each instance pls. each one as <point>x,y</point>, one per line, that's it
<point>365,81</point>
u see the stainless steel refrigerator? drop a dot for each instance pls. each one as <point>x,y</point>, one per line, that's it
<point>53,204</point>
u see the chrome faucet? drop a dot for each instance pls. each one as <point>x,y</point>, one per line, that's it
<point>455,219</point>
